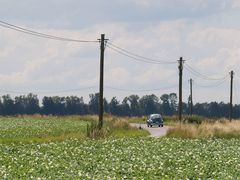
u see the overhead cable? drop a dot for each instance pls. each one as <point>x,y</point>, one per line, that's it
<point>42,35</point>
<point>199,75</point>
<point>48,92</point>
<point>137,58</point>
<point>212,85</point>
<point>140,90</point>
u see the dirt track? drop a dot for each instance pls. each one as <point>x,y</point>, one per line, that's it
<point>154,131</point>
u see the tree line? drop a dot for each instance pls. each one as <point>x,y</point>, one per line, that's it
<point>132,105</point>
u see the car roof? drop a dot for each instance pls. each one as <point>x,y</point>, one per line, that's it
<point>155,116</point>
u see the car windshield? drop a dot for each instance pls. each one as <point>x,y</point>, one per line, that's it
<point>156,119</point>
<point>155,116</point>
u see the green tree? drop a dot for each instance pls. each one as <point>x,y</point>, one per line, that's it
<point>148,104</point>
<point>93,103</point>
<point>75,105</point>
<point>31,104</point>
<point>166,109</point>
<point>8,105</point>
<point>173,102</point>
<point>114,106</point>
<point>53,105</point>
<point>134,104</point>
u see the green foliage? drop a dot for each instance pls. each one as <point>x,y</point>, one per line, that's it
<point>149,104</point>
<point>133,158</point>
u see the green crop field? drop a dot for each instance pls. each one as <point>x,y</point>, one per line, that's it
<point>122,158</point>
<point>28,129</point>
<point>57,148</point>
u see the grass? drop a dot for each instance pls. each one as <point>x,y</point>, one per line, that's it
<point>116,127</point>
<point>216,129</point>
<point>41,129</point>
<point>121,128</point>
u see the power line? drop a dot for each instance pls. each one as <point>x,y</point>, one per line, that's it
<point>136,56</point>
<point>199,75</point>
<point>212,85</point>
<point>38,34</point>
<point>139,56</point>
<point>141,90</point>
<point>47,92</point>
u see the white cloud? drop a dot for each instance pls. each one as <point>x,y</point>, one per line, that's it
<point>30,63</point>
<point>203,37</point>
<point>236,3</point>
<point>153,75</point>
<point>144,2</point>
<point>118,76</point>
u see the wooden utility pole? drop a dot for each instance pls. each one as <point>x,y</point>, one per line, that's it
<point>102,48</point>
<point>180,67</point>
<point>231,95</point>
<point>191,99</point>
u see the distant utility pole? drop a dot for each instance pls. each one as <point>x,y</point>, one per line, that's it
<point>180,67</point>
<point>191,99</point>
<point>231,95</point>
<point>102,48</point>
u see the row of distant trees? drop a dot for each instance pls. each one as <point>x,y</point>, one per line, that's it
<point>132,105</point>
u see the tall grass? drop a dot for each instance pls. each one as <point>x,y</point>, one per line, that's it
<point>217,129</point>
<point>94,132</point>
<point>116,127</point>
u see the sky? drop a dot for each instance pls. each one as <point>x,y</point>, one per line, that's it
<point>206,33</point>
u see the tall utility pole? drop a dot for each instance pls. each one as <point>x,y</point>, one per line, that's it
<point>180,67</point>
<point>102,48</point>
<point>191,99</point>
<point>231,95</point>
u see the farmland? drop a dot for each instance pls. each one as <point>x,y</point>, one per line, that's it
<point>116,158</point>
<point>27,129</point>
<point>57,148</point>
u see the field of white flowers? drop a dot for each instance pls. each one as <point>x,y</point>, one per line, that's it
<point>146,158</point>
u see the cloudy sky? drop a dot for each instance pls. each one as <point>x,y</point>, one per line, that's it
<point>206,33</point>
